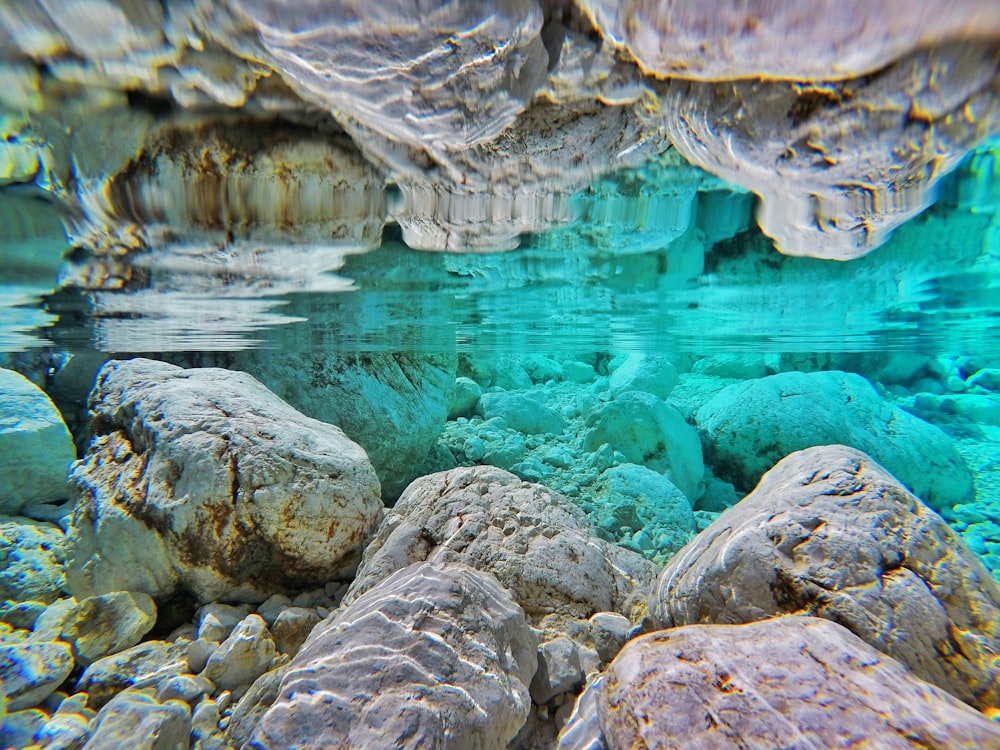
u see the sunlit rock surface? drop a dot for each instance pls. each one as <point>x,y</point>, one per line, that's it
<point>786,682</point>
<point>828,532</point>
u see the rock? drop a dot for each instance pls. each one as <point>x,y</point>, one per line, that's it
<point>35,447</point>
<point>203,479</point>
<point>447,658</point>
<point>244,656</point>
<point>32,557</point>
<point>537,544</point>
<point>291,628</point>
<point>253,705</point>
<point>272,607</point>
<point>558,672</point>
<point>19,728</point>
<point>216,621</point>
<point>464,397</point>
<point>609,631</point>
<point>49,623</point>
<point>647,373</point>
<point>69,727</point>
<point>541,369</point>
<point>30,672</point>
<point>987,378</point>
<point>629,498</point>
<point>136,720</point>
<point>828,532</point>
<point>199,651</point>
<point>521,412</point>
<point>102,625</point>
<point>575,371</point>
<point>958,409</point>
<point>206,734</point>
<point>21,614</point>
<point>188,688</point>
<point>786,682</point>
<point>649,432</point>
<point>141,666</point>
<point>749,426</point>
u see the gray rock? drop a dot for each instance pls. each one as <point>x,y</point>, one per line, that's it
<point>538,544</point>
<point>558,672</point>
<point>828,532</point>
<point>216,621</point>
<point>19,728</point>
<point>203,479</point>
<point>749,426</point>
<point>49,623</point>
<point>647,373</point>
<point>30,672</point>
<point>522,412</point>
<point>141,666</point>
<point>206,734</point>
<point>447,658</point>
<point>184,687</point>
<point>272,607</point>
<point>291,628</point>
<point>35,447</point>
<point>136,720</point>
<point>198,653</point>
<point>649,432</point>
<point>788,682</point>
<point>253,705</point>
<point>609,631</point>
<point>69,727</point>
<point>244,656</point>
<point>102,625</point>
<point>464,397</point>
<point>32,557</point>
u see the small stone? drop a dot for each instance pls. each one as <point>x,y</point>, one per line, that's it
<point>30,672</point>
<point>206,734</point>
<point>558,670</point>
<point>69,727</point>
<point>140,666</point>
<point>32,559</point>
<point>22,615</point>
<point>136,720</point>
<point>244,656</point>
<point>49,624</point>
<point>609,631</point>
<point>292,627</point>
<point>646,373</point>
<point>184,687</point>
<point>18,728</point>
<point>216,621</point>
<point>102,625</point>
<point>198,653</point>
<point>578,372</point>
<point>464,398</point>
<point>272,607</point>
<point>474,448</point>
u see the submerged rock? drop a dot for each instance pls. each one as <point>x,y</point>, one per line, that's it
<point>828,532</point>
<point>36,448</point>
<point>433,656</point>
<point>749,426</point>
<point>32,557</point>
<point>537,544</point>
<point>203,479</point>
<point>787,682</point>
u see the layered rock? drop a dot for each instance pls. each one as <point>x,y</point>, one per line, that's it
<point>436,656</point>
<point>204,480</point>
<point>786,682</point>
<point>828,532</point>
<point>749,426</point>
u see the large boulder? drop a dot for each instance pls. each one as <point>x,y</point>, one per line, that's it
<point>434,656</point>
<point>536,542</point>
<point>203,479</point>
<point>748,427</point>
<point>35,447</point>
<point>799,682</point>
<point>393,405</point>
<point>828,532</point>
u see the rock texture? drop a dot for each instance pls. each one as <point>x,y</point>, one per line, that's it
<point>30,672</point>
<point>828,532</point>
<point>203,479</point>
<point>434,656</point>
<point>789,682</point>
<point>32,556</point>
<point>537,544</point>
<point>749,426</point>
<point>35,447</point>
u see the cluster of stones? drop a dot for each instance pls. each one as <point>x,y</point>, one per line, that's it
<point>488,119</point>
<point>226,575</point>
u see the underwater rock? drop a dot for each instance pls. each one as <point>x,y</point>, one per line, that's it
<point>136,720</point>
<point>652,433</point>
<point>957,408</point>
<point>830,533</point>
<point>32,557</point>
<point>30,672</point>
<point>647,373</point>
<point>393,405</point>
<point>35,447</point>
<point>464,397</point>
<point>749,426</point>
<point>204,479</point>
<point>537,543</point>
<point>786,682</point>
<point>99,626</point>
<point>434,655</point>
<point>524,412</point>
<point>144,665</point>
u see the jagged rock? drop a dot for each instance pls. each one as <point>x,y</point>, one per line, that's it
<point>244,656</point>
<point>749,426</point>
<point>651,433</point>
<point>644,372</point>
<point>203,479</point>
<point>141,666</point>
<point>786,682</point>
<point>448,657</point>
<point>537,544</point>
<point>393,405</point>
<point>523,412</point>
<point>137,720</point>
<point>828,532</point>
<point>32,557</point>
<point>216,620</point>
<point>103,625</point>
<point>30,672</point>
<point>35,447</point>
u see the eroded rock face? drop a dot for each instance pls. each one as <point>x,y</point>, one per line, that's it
<point>788,682</point>
<point>203,479</point>
<point>537,544</point>
<point>828,532</point>
<point>433,656</point>
<point>749,426</point>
